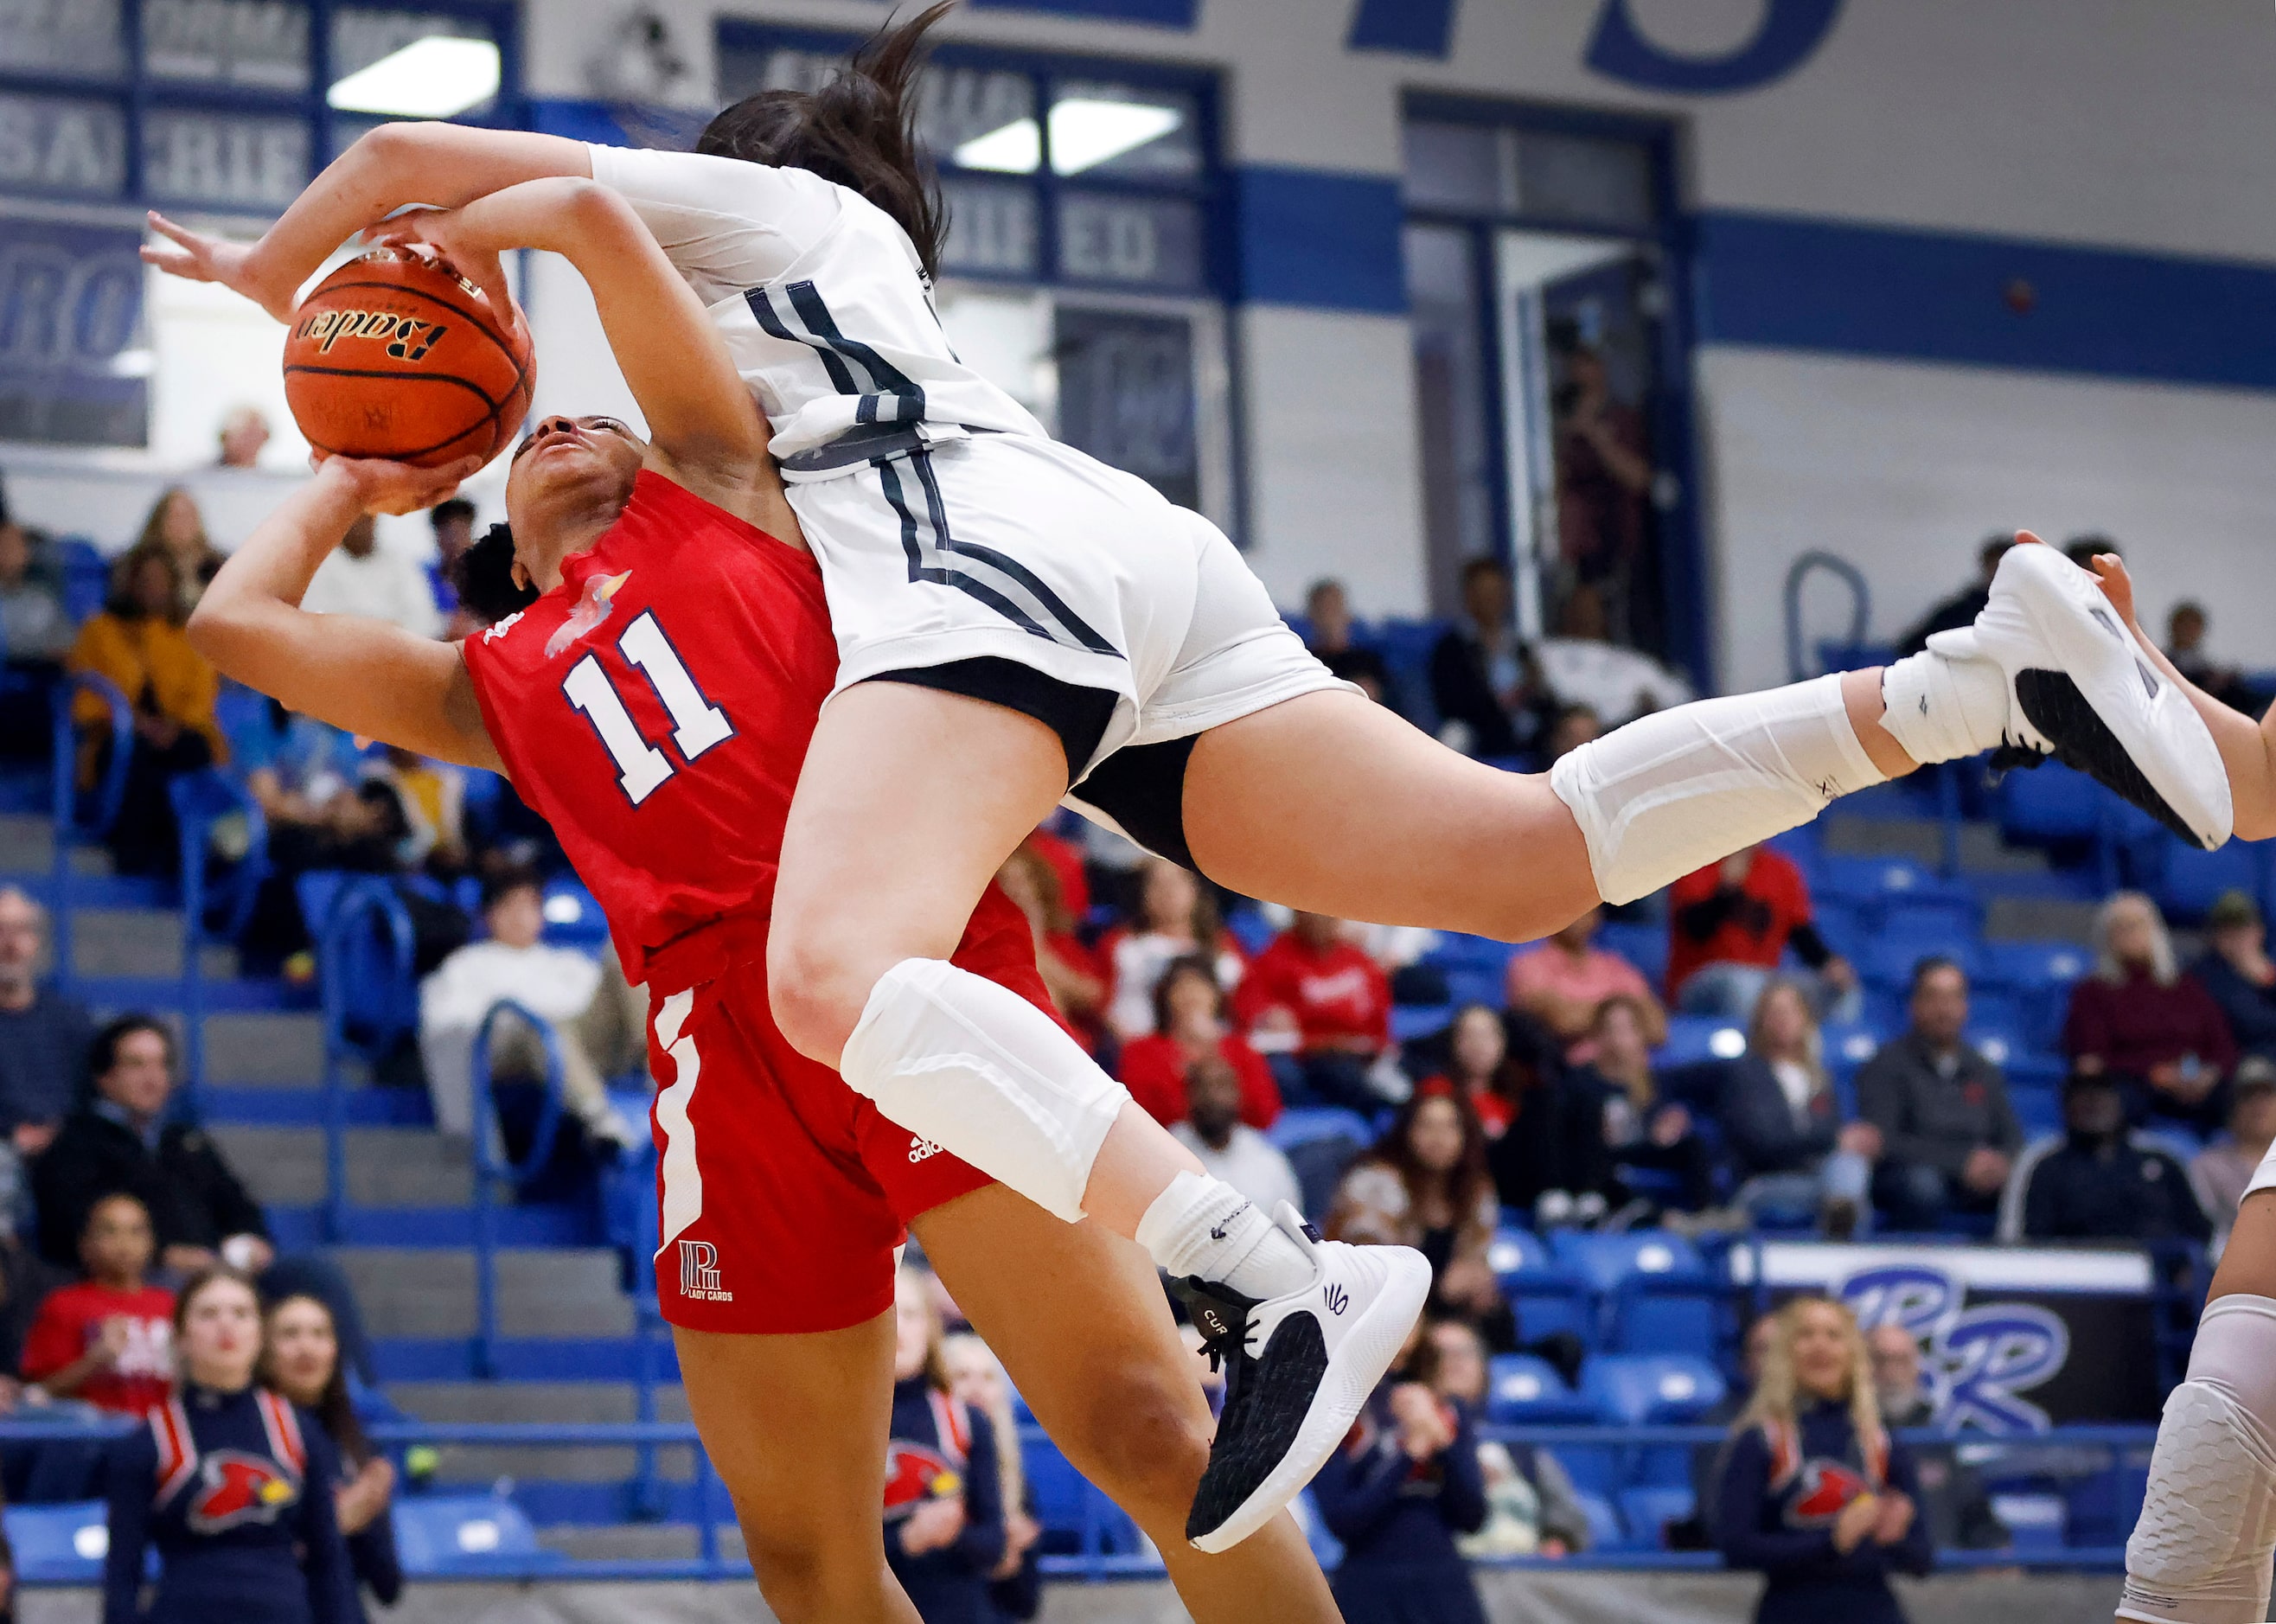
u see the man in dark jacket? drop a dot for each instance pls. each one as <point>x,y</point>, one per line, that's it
<point>43,1035</point>
<point>1481,675</point>
<point>1949,1137</point>
<point>1962,608</point>
<point>2236,970</point>
<point>2102,1183</point>
<point>1952,1498</point>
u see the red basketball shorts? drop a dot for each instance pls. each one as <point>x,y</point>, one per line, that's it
<point>781,1192</point>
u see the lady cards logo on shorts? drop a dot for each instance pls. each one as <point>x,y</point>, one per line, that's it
<point>699,1273</point>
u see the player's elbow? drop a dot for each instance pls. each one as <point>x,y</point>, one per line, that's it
<point>219,628</point>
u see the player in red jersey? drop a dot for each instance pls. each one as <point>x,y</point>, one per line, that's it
<point>655,704</point>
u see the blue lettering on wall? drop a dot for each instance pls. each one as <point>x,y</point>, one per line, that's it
<point>1418,28</point>
<point>1790,31</point>
<point>1977,1361</point>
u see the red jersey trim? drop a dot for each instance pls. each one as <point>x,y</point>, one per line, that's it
<point>178,1448</point>
<point>283,1430</point>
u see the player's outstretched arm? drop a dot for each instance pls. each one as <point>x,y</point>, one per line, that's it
<point>445,164</point>
<point>365,676</point>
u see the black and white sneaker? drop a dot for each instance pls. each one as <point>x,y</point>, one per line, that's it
<point>1298,1370</point>
<point>2082,690</point>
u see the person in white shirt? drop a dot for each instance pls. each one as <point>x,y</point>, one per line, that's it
<point>558,984</point>
<point>1226,1146</point>
<point>363,578</point>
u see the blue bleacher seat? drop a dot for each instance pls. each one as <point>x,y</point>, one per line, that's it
<point>2037,1520</point>
<point>2049,804</point>
<point>1300,1124</point>
<point>462,1535</point>
<point>1951,917</point>
<point>1067,1504</point>
<point>1848,1044</point>
<point>1890,961</point>
<point>1524,1391</point>
<point>1250,928</point>
<point>1643,945</point>
<point>87,576</point>
<point>2191,880</point>
<point>1651,1389</point>
<point>59,1545</point>
<point>1605,1530</point>
<point>572,918</point>
<point>1654,1289</point>
<point>1647,1510</point>
<point>1694,1038</point>
<point>1411,1022</point>
<point>1546,1296</point>
<point>2038,1110</point>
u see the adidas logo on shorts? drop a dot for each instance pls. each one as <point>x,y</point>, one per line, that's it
<point>922,1149</point>
<point>699,1273</point>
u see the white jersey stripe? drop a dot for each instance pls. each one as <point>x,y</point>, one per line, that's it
<point>681,1173</point>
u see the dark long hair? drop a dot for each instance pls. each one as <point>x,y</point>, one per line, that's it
<point>1466,1180</point>
<point>859,130</point>
<point>483,578</point>
<point>333,1407</point>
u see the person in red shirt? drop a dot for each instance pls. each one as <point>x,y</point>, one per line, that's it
<point>2148,1023</point>
<point>1189,1024</point>
<point>107,1340</point>
<point>1730,924</point>
<point>1325,1005</point>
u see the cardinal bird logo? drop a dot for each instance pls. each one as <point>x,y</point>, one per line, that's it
<point>1827,1487</point>
<point>235,1488</point>
<point>914,1474</point>
<point>592,609</point>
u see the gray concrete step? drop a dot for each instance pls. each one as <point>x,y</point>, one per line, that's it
<point>641,1542</point>
<point>387,1166</point>
<point>281,1166</point>
<point>277,1048</point>
<point>430,1293</point>
<point>142,942</point>
<point>559,1403</point>
<point>1917,839</point>
<point>2026,919</point>
<point>27,844</point>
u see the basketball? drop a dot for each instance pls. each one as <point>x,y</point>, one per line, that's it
<point>396,356</point>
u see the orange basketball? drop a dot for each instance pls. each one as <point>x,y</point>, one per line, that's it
<point>395,355</point>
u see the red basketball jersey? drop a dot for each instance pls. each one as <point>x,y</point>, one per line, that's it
<point>655,709</point>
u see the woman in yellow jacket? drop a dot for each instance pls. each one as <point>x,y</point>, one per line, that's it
<point>138,643</point>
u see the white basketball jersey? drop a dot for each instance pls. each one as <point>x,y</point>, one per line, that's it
<point>823,304</point>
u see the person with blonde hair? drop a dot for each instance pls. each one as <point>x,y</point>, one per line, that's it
<point>177,528</point>
<point>1815,1495</point>
<point>2149,1023</point>
<point>977,1379</point>
<point>1783,1124</point>
<point>945,1530</point>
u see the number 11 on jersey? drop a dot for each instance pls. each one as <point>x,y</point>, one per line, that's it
<point>697,723</point>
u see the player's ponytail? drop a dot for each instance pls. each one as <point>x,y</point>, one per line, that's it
<point>859,130</point>
<point>483,578</point>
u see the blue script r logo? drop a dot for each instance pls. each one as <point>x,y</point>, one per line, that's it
<point>1977,1362</point>
<point>1789,32</point>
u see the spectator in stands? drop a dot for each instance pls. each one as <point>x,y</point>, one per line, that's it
<point>2220,1172</point>
<point>35,628</point>
<point>176,528</point>
<point>2152,1027</point>
<point>138,644</point>
<point>244,431</point>
<point>977,1379</point>
<point>108,1340</point>
<point>2236,970</point>
<point>300,1361</point>
<point>565,989</point>
<point>1949,1137</point>
<point>1189,1027</point>
<point>453,524</point>
<point>1066,861</point>
<point>1483,682</point>
<point>945,1530</point>
<point>1531,1508</point>
<point>360,577</point>
<point>1328,610</point>
<point>1229,1148</point>
<point>1585,669</point>
<point>43,1035</point>
<point>2185,645</point>
<point>1707,1464</point>
<point>200,1212</point>
<point>1542,1144</point>
<point>1952,1496</point>
<point>1657,1153</point>
<point>1425,1184</point>
<point>2084,550</point>
<point>2099,1182</point>
<point>1783,1126</point>
<point>1815,1495</point>
<point>1321,1007</point>
<point>1603,453</point>
<point>1962,608</point>
<point>1407,1482</point>
<point>1177,916</point>
<point>1070,970</point>
<point>1562,982</point>
<point>1730,925</point>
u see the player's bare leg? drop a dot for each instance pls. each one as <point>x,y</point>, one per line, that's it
<point>1085,1336</point>
<point>796,1427</point>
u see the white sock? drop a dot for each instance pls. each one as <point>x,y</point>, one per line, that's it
<point>1203,1227</point>
<point>1672,792</point>
<point>1942,705</point>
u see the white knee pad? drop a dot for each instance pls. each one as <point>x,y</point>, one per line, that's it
<point>987,1077</point>
<point>1672,793</point>
<point>2201,1553</point>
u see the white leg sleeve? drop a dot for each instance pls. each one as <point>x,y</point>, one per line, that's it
<point>985,1075</point>
<point>1672,793</point>
<point>2200,1554</point>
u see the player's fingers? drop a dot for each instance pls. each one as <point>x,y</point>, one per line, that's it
<point>2027,538</point>
<point>166,228</point>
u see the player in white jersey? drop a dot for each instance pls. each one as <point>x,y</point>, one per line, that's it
<point>1017,624</point>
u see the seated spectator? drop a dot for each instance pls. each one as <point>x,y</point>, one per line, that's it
<point>1653,1143</point>
<point>434,802</point>
<point>1531,1508</point>
<point>2223,1168</point>
<point>1562,982</point>
<point>2152,1027</point>
<point>1328,610</point>
<point>1321,1008</point>
<point>977,1379</point>
<point>453,524</point>
<point>1425,1184</point>
<point>1783,1126</point>
<point>365,829</point>
<point>1953,1498</point>
<point>1949,1137</point>
<point>360,577</point>
<point>1584,670</point>
<point>1407,1482</point>
<point>244,431</point>
<point>565,989</point>
<point>1177,917</point>
<point>944,1531</point>
<point>1229,1148</point>
<point>1962,608</point>
<point>108,1340</point>
<point>2099,1182</point>
<point>300,1361</point>
<point>1815,1495</point>
<point>176,528</point>
<point>43,1035</point>
<point>35,628</point>
<point>2186,625</point>
<point>1070,970</point>
<point>1483,684</point>
<point>1730,925</point>
<point>1066,861</point>
<point>1190,1026</point>
<point>2084,550</point>
<point>138,643</point>
<point>2235,969</point>
<point>1543,1144</point>
<point>201,1215</point>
